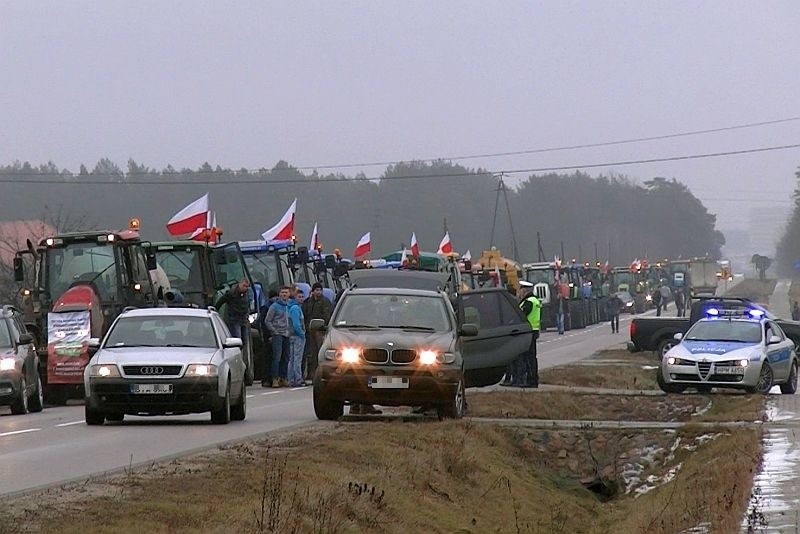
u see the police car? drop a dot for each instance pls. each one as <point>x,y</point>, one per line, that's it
<point>743,349</point>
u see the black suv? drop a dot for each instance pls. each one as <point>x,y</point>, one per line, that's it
<point>20,385</point>
<point>415,347</point>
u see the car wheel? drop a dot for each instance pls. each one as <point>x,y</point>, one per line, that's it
<point>664,346</point>
<point>36,402</point>
<point>223,415</point>
<point>765,380</point>
<point>790,387</point>
<point>456,406</point>
<point>239,412</point>
<point>20,404</point>
<point>92,416</point>
<point>667,388</point>
<point>325,408</point>
<point>116,417</point>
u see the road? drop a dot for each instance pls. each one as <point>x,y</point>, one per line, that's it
<point>56,446</point>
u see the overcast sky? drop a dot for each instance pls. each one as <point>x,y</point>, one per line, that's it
<point>246,83</point>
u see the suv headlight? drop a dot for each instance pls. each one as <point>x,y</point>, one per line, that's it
<point>104,371</point>
<point>345,354</point>
<point>8,364</point>
<point>430,357</point>
<point>201,369</point>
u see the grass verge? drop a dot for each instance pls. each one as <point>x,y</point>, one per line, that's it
<point>429,477</point>
<point>612,369</point>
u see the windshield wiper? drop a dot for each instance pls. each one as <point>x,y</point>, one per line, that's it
<point>409,327</point>
<point>126,345</point>
<point>370,326</point>
<point>182,345</point>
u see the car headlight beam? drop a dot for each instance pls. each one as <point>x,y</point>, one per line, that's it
<point>201,369</point>
<point>350,354</point>
<point>7,364</point>
<point>427,357</point>
<point>104,371</point>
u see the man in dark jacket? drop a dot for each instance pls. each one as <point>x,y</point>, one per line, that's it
<point>238,310</point>
<point>315,307</point>
<point>613,306</point>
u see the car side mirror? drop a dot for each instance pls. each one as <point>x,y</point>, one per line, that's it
<point>232,342</point>
<point>94,342</point>
<point>330,262</point>
<point>317,325</point>
<point>340,270</point>
<point>678,336</point>
<point>302,255</point>
<point>25,339</point>
<point>468,330</point>
<point>774,339</point>
<point>19,270</point>
<point>150,261</point>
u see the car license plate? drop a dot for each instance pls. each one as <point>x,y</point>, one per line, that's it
<point>388,382</point>
<point>151,388</point>
<point>730,370</point>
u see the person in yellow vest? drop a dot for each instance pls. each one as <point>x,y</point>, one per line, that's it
<point>527,374</point>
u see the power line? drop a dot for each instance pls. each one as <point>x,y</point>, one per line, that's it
<point>561,148</point>
<point>307,180</point>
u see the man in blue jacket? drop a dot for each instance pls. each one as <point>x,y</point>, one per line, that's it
<point>277,323</point>
<point>297,337</point>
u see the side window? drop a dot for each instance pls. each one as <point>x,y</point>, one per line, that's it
<point>482,309</point>
<point>20,325</point>
<point>777,331</point>
<point>14,328</point>
<point>140,273</point>
<point>510,312</point>
<point>222,329</point>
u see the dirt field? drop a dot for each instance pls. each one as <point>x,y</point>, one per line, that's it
<point>755,290</point>
<point>614,369</point>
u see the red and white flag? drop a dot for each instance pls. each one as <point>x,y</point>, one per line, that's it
<point>284,230</point>
<point>414,245</point>
<point>314,240</point>
<point>467,255</point>
<point>190,218</point>
<point>211,225</point>
<point>363,247</point>
<point>404,258</point>
<point>445,246</point>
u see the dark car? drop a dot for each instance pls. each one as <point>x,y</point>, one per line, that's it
<point>411,347</point>
<point>20,384</point>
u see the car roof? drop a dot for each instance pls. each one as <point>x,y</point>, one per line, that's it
<point>393,278</point>
<point>167,312</point>
<point>393,291</point>
<point>732,319</point>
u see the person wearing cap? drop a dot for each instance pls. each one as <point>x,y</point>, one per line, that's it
<point>315,307</point>
<point>527,371</point>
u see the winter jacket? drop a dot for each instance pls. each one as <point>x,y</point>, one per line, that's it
<point>317,309</point>
<point>614,305</point>
<point>297,327</point>
<point>277,319</point>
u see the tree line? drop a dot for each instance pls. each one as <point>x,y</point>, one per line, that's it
<point>788,253</point>
<point>614,215</point>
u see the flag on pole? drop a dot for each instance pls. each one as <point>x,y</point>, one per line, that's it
<point>445,247</point>
<point>314,241</point>
<point>467,255</point>
<point>190,218</point>
<point>284,230</point>
<point>363,247</point>
<point>207,232</point>
<point>414,245</point>
<point>404,258</point>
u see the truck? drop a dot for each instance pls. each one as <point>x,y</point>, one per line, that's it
<point>703,276</point>
<point>657,334</point>
<point>79,283</point>
<point>199,274</point>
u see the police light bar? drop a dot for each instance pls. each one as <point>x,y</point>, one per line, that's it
<point>736,312</point>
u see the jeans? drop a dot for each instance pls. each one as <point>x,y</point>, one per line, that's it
<point>526,367</point>
<point>560,322</point>
<point>240,329</point>
<point>615,322</point>
<point>280,356</point>
<point>295,366</point>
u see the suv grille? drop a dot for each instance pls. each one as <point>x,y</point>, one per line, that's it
<point>403,356</point>
<point>376,355</point>
<point>152,370</point>
<point>704,368</point>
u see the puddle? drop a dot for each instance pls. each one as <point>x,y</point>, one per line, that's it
<point>775,502</point>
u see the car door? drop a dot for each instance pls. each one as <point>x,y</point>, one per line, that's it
<point>232,356</point>
<point>503,334</point>
<point>779,354</point>
<point>25,351</point>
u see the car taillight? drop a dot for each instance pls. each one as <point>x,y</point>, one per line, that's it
<point>633,329</point>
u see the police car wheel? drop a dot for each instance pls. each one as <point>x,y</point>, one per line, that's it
<point>664,347</point>
<point>667,388</point>
<point>790,387</point>
<point>765,380</point>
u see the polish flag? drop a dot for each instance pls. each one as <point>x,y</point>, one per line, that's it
<point>414,246</point>
<point>210,226</point>
<point>404,258</point>
<point>284,230</point>
<point>190,218</point>
<point>467,255</point>
<point>445,246</point>
<point>314,240</point>
<point>363,247</point>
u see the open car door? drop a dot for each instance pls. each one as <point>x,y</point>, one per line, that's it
<point>503,334</point>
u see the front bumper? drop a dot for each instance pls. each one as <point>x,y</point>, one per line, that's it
<point>711,374</point>
<point>189,395</point>
<point>10,385</point>
<point>350,383</point>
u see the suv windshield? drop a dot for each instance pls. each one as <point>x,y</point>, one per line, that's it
<point>5,336</point>
<point>393,311</point>
<point>723,330</point>
<point>162,331</point>
<point>82,262</point>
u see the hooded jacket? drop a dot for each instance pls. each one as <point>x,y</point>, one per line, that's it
<point>277,319</point>
<point>296,326</point>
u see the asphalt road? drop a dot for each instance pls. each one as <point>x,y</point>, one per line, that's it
<point>56,446</point>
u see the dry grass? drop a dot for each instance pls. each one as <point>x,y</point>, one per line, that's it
<point>794,292</point>
<point>755,290</point>
<point>589,406</point>
<point>394,477</point>
<point>613,369</point>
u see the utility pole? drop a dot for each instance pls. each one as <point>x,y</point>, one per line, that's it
<point>596,257</point>
<point>562,251</point>
<point>501,188</point>
<point>539,246</point>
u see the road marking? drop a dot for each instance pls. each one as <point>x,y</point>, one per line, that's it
<point>19,432</point>
<point>271,392</point>
<point>70,424</point>
<point>250,396</point>
<point>298,389</point>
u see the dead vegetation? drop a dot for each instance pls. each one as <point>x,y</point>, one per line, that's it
<point>756,290</point>
<point>608,369</point>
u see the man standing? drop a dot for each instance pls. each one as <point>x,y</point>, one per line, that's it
<point>657,301</point>
<point>297,340</point>
<point>315,307</point>
<point>613,306</point>
<point>277,322</point>
<point>238,310</point>
<point>666,294</point>
<point>680,302</point>
<point>528,375</point>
